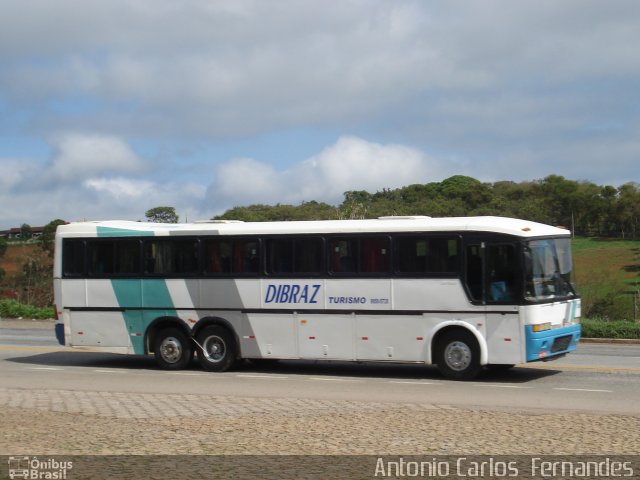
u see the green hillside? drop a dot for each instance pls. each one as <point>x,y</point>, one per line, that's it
<point>608,277</point>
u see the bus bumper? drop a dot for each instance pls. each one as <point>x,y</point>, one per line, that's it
<point>551,343</point>
<point>59,329</point>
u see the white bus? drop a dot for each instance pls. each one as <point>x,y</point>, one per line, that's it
<point>462,293</point>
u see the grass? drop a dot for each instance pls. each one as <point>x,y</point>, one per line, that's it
<point>608,277</point>
<point>15,309</point>
<point>595,328</point>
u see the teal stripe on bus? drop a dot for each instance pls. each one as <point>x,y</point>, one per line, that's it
<point>121,232</point>
<point>139,294</point>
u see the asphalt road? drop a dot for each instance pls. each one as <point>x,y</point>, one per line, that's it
<point>596,378</point>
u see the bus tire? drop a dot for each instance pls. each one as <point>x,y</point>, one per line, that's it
<point>172,349</point>
<point>458,355</point>
<point>217,349</point>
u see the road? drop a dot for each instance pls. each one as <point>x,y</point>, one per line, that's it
<point>596,378</point>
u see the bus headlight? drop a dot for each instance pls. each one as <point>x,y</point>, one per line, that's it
<point>542,327</point>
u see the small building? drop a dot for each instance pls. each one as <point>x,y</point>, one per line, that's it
<point>15,233</point>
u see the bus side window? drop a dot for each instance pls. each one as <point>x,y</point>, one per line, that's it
<point>422,255</point>
<point>374,255</point>
<point>171,256</point>
<point>101,258</point>
<point>280,255</point>
<point>412,253</point>
<point>217,256</point>
<point>245,257</point>
<point>343,254</point>
<point>295,255</point>
<point>73,258</point>
<point>308,255</point>
<point>474,271</point>
<point>501,264</point>
<point>127,257</point>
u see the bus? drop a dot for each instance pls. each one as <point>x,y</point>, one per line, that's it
<point>465,293</point>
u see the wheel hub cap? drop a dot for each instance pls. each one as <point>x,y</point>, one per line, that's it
<point>458,356</point>
<point>214,348</point>
<point>171,349</point>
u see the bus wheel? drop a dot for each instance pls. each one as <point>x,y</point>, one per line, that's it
<point>172,349</point>
<point>217,349</point>
<point>458,355</point>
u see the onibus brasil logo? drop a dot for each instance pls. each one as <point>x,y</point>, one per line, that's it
<point>38,469</point>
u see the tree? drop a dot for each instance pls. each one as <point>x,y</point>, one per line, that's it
<point>34,282</point>
<point>49,234</point>
<point>560,195</point>
<point>280,212</point>
<point>355,205</point>
<point>628,209</point>
<point>609,195</point>
<point>26,232</point>
<point>162,215</point>
<point>3,249</point>
<point>585,207</point>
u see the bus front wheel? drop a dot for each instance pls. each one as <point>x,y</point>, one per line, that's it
<point>217,349</point>
<point>458,355</point>
<point>172,349</point>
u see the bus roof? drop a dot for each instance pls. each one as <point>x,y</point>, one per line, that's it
<point>509,226</point>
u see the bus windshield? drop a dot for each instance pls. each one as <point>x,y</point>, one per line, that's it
<point>548,268</point>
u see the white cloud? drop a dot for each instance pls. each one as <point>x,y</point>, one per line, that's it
<point>251,66</point>
<point>89,177</point>
<point>120,188</point>
<point>246,178</point>
<point>14,171</point>
<point>128,198</point>
<point>355,164</point>
<point>214,68</point>
<point>350,164</point>
<point>79,156</point>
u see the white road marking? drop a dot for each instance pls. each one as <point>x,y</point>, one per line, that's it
<point>492,385</point>
<point>44,368</point>
<point>189,374</point>
<point>265,377</point>
<point>110,371</point>
<point>322,379</point>
<point>413,383</point>
<point>583,390</point>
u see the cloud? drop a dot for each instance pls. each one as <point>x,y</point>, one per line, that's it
<point>128,198</point>
<point>245,178</point>
<point>355,164</point>
<point>98,178</point>
<point>472,79</point>
<point>220,68</point>
<point>79,156</point>
<point>14,171</point>
<point>121,188</point>
<point>92,177</point>
<point>350,164</point>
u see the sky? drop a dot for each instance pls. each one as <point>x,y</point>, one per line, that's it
<point>108,109</point>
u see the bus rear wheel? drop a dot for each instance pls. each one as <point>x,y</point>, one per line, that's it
<point>458,355</point>
<point>172,349</point>
<point>217,350</point>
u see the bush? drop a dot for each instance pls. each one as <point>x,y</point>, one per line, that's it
<point>15,309</point>
<point>597,328</point>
